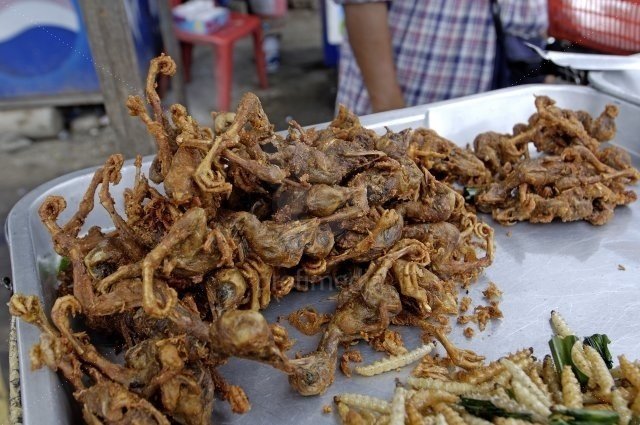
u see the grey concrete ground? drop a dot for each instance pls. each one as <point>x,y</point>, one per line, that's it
<point>301,89</point>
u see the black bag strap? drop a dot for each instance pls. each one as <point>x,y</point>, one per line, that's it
<point>500,73</point>
<point>497,21</point>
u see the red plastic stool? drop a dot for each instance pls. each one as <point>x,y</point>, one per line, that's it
<point>239,26</point>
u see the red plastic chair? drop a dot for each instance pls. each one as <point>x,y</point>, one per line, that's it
<point>239,26</point>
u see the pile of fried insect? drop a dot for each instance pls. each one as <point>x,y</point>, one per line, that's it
<point>576,384</point>
<point>232,217</point>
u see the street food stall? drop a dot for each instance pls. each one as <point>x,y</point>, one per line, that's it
<point>473,260</point>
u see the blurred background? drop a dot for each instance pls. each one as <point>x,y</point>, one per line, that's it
<point>54,54</point>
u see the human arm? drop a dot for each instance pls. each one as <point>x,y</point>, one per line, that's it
<point>370,40</point>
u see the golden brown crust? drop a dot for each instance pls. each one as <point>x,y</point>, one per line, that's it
<point>574,179</point>
<point>245,216</point>
<point>347,357</point>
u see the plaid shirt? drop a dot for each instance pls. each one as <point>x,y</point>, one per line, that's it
<point>442,48</point>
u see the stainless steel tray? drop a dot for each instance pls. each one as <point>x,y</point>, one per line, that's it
<point>572,267</point>
<point>622,84</point>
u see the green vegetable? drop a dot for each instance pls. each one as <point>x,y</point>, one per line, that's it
<point>561,352</point>
<point>487,410</point>
<point>601,343</point>
<point>64,265</point>
<point>584,416</point>
<point>560,421</point>
<point>470,193</point>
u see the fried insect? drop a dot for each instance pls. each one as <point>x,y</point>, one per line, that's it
<point>394,362</point>
<point>516,389</point>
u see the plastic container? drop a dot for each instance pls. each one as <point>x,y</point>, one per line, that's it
<point>270,8</point>
<point>200,17</point>
<point>271,48</point>
<point>611,26</point>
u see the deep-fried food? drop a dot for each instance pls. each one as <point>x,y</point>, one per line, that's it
<point>517,389</point>
<point>246,215</point>
<point>574,179</point>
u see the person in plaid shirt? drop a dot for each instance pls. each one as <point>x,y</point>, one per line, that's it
<point>410,52</point>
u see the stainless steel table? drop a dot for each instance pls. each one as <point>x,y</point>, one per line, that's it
<point>572,267</point>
